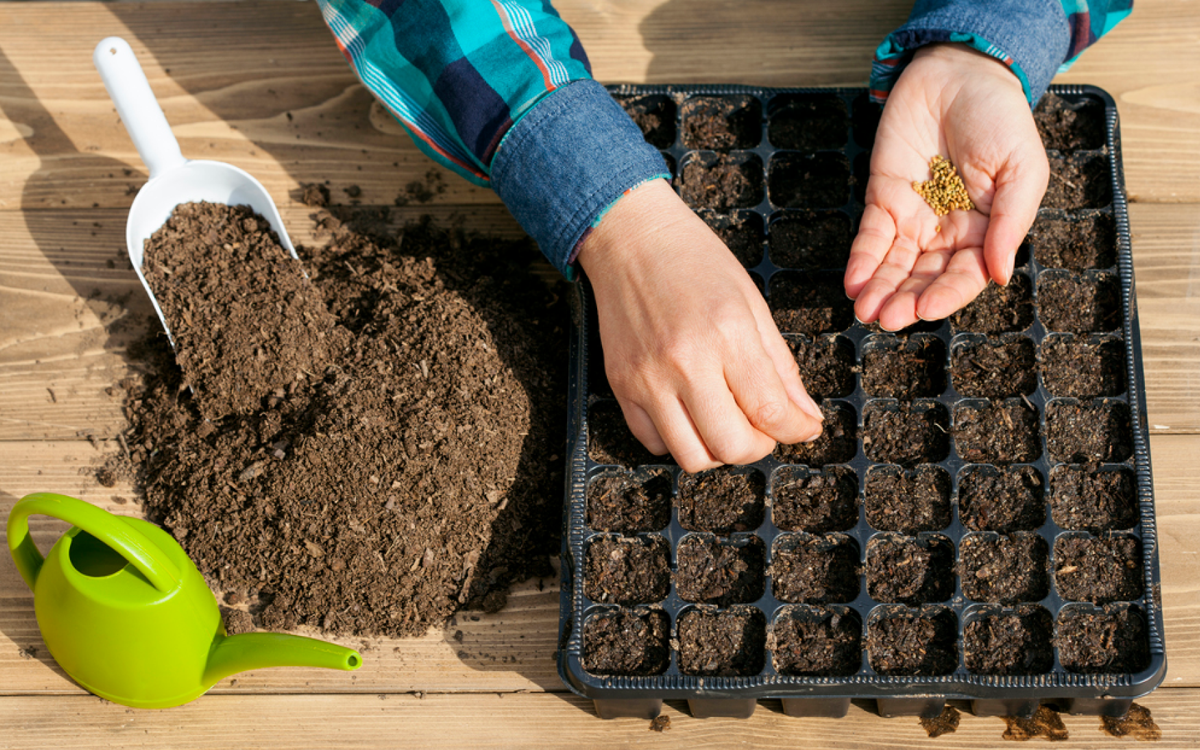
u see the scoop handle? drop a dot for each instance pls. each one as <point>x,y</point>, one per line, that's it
<point>139,111</point>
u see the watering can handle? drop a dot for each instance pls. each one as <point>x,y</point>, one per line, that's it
<point>139,551</point>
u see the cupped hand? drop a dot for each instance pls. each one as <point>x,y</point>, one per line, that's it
<point>906,262</point>
<point>691,352</point>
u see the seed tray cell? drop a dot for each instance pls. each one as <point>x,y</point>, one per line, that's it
<point>976,521</point>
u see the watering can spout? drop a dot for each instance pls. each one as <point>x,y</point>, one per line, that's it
<point>247,651</point>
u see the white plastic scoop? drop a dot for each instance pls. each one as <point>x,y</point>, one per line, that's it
<point>173,179</point>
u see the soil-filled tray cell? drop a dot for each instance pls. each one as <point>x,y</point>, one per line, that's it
<point>1080,433</point>
<point>1108,640</point>
<point>864,119</point>
<point>1073,303</point>
<point>1075,244</point>
<point>808,239</point>
<point>910,570</point>
<point>655,115</point>
<point>1077,367</point>
<point>722,500</point>
<point>1078,181</point>
<point>912,642</point>
<point>611,442</point>
<point>826,365</point>
<point>907,501</point>
<point>836,445</point>
<point>804,122</point>
<point>1098,569</point>
<point>815,569</point>
<point>1004,569</point>
<point>741,231</point>
<point>816,502</point>
<point>1001,499</point>
<point>816,641</point>
<point>1087,499</point>
<point>997,432</point>
<point>721,123</point>
<point>998,309</point>
<point>993,367</point>
<point>1068,126</point>
<point>1010,642</point>
<point>904,367</point>
<point>722,643</point>
<point>627,570</point>
<point>809,180</point>
<point>906,433</point>
<point>720,571</point>
<point>629,503</point>
<point>721,181</point>
<point>810,303</point>
<point>627,642</point>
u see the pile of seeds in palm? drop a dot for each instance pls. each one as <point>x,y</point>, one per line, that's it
<point>945,192</point>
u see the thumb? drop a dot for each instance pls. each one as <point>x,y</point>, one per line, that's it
<point>1019,192</point>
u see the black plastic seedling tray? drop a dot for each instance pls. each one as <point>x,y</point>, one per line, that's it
<point>948,619</point>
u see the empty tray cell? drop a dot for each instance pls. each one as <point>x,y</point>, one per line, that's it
<point>809,239</point>
<point>627,642</point>
<point>727,643</point>
<point>837,443</point>
<point>1075,244</point>
<point>826,365</point>
<point>627,570</point>
<point>1108,640</point>
<point>809,180</point>
<point>807,122</point>
<point>722,500</point>
<point>741,231</point>
<point>907,501</point>
<point>721,181</point>
<point>904,367</point>
<point>1080,433</point>
<point>1066,125</point>
<point>1084,498</point>
<point>912,642</point>
<point>1078,181</point>
<point>721,123</point>
<point>910,570</point>
<point>864,119</point>
<point>906,433</point>
<point>816,641</point>
<point>993,367</point>
<point>628,502</point>
<point>720,571</point>
<point>1002,499</point>
<point>814,501</point>
<point>1009,642</point>
<point>611,442</point>
<point>810,303</point>
<point>1075,303</point>
<point>1080,367</point>
<point>1098,569</point>
<point>1004,569</point>
<point>998,309</point>
<point>815,569</point>
<point>997,432</point>
<point>655,115</point>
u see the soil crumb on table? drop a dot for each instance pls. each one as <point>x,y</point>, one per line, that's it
<point>1137,724</point>
<point>1045,724</point>
<point>660,723</point>
<point>944,723</point>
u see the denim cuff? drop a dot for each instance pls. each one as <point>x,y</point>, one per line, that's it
<point>566,161</point>
<point>1031,37</point>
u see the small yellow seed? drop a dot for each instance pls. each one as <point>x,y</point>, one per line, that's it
<point>945,192</point>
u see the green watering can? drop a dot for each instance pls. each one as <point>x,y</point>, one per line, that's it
<point>128,616</point>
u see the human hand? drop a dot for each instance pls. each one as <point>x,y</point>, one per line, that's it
<point>690,349</point>
<point>906,262</point>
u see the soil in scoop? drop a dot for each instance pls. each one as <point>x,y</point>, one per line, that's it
<point>1000,432</point>
<point>722,500</point>
<point>741,232</point>
<point>1079,304</point>
<point>906,433</point>
<point>815,570</point>
<point>905,368</point>
<point>1078,182</point>
<point>807,123</point>
<point>1088,432</point>
<point>623,502</point>
<point>994,367</point>
<point>1079,368</point>
<point>726,643</point>
<point>1098,570</point>
<point>611,442</point>
<point>1003,500</point>
<point>808,239</point>
<point>910,570</point>
<point>1075,244</point>
<point>998,309</point>
<point>655,115</point>
<point>721,181</point>
<point>1067,126</point>
<point>1004,569</point>
<point>627,570</point>
<point>1010,643</point>
<point>814,502</point>
<point>810,304</point>
<point>627,642</point>
<point>1112,640</point>
<point>718,571</point>
<point>1085,499</point>
<point>819,180</point>
<point>908,501</point>
<point>721,123</point>
<point>826,365</point>
<point>913,642</point>
<point>836,445</point>
<point>816,641</point>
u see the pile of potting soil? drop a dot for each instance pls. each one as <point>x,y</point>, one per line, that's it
<point>391,457</point>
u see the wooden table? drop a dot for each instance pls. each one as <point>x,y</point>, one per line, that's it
<point>262,86</point>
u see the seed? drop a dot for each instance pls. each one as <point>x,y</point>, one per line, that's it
<point>945,192</point>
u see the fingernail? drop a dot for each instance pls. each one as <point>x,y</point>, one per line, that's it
<point>1012,259</point>
<point>810,407</point>
<point>815,437</point>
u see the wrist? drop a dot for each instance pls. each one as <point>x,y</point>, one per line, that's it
<point>621,237</point>
<point>962,61</point>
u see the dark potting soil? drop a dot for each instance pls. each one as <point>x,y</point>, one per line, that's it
<point>906,433</point>
<point>1075,244</point>
<point>1078,181</point>
<point>1098,570</point>
<point>907,501</point>
<point>994,367</point>
<point>1137,723</point>
<point>721,123</point>
<point>611,442</point>
<point>1067,126</point>
<point>816,641</point>
<point>810,304</point>
<point>998,309</point>
<point>837,443</point>
<point>1080,368</point>
<point>727,643</point>
<point>1004,499</point>
<point>1044,724</point>
<point>1088,432</point>
<point>722,500</point>
<point>820,180</point>
<point>944,723</point>
<point>910,570</point>
<point>741,232</point>
<point>814,502</point>
<point>655,115</point>
<point>627,570</point>
<point>999,432</point>
<point>627,642</point>
<point>815,570</point>
<point>913,642</point>
<point>624,502</point>
<point>721,181</point>
<point>1010,643</point>
<point>1112,640</point>
<point>1079,304</point>
<point>718,571</point>
<point>826,365</point>
<point>904,367</point>
<point>807,123</point>
<point>1084,499</point>
<point>810,240</point>
<point>864,118</point>
<point>1005,569</point>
